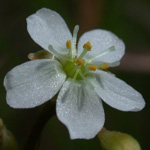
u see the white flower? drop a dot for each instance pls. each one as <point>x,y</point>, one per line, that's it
<point>77,73</point>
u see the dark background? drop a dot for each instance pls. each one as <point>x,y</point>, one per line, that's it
<point>129,19</point>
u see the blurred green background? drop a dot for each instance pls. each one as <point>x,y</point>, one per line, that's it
<point>129,19</point>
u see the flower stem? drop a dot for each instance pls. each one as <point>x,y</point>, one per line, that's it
<point>33,140</point>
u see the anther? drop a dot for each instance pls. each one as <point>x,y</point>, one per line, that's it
<point>104,66</point>
<point>68,44</point>
<point>87,46</point>
<point>92,67</point>
<point>79,61</point>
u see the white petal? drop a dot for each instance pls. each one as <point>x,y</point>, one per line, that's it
<point>101,40</point>
<point>47,27</point>
<point>80,109</point>
<point>117,93</point>
<point>33,83</point>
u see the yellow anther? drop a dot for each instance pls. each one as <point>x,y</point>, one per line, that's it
<point>79,61</point>
<point>68,44</point>
<point>92,67</point>
<point>87,46</point>
<point>104,66</point>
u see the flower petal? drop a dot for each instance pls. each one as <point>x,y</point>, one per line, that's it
<point>47,27</point>
<point>80,109</point>
<point>117,93</point>
<point>33,83</point>
<point>101,40</point>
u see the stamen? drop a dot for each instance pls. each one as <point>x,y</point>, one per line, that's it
<point>93,67</point>
<point>79,61</point>
<point>68,44</point>
<point>87,46</point>
<point>110,49</point>
<point>61,57</point>
<point>74,41</point>
<point>104,66</point>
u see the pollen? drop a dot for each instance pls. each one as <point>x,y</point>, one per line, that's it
<point>104,66</point>
<point>92,67</point>
<point>87,46</point>
<point>68,44</point>
<point>79,61</point>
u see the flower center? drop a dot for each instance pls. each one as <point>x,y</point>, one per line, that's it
<point>78,68</point>
<point>75,66</point>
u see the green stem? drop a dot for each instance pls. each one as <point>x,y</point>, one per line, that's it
<point>34,137</point>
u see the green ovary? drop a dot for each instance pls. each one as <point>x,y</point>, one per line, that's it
<point>71,69</point>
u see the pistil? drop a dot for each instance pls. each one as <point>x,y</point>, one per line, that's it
<point>74,41</point>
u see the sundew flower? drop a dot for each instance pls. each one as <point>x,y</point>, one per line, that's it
<point>77,72</point>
